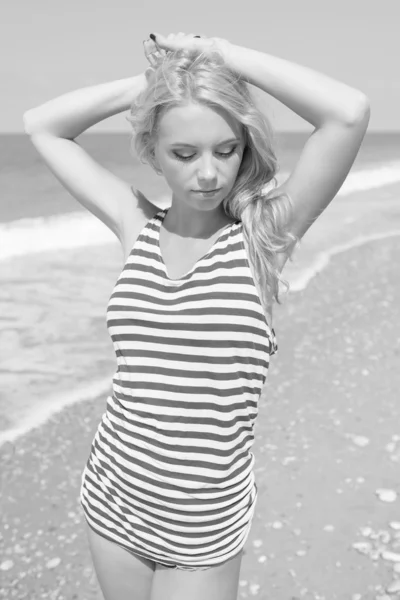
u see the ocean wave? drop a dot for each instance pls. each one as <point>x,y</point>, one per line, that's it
<point>299,280</point>
<point>42,411</point>
<point>67,231</point>
<point>82,229</point>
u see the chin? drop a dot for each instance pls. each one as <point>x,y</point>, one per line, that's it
<point>208,205</point>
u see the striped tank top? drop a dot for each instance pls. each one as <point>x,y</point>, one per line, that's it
<point>170,472</point>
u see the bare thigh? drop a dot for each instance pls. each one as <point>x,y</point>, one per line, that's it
<point>217,583</point>
<point>121,575</point>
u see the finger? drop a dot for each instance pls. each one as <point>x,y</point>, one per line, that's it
<point>152,58</point>
<point>148,72</point>
<point>152,53</point>
<point>148,47</point>
<point>169,43</point>
<point>172,38</point>
<point>159,39</point>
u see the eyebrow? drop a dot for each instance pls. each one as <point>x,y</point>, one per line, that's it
<point>219,143</point>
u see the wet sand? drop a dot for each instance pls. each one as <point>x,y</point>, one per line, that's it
<point>327,438</point>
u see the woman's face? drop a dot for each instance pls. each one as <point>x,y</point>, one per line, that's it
<point>199,149</point>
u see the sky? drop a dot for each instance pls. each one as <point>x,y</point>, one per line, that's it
<point>50,48</point>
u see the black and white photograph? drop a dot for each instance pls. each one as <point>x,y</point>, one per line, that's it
<point>200,300</point>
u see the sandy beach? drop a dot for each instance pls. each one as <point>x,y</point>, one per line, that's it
<point>327,439</point>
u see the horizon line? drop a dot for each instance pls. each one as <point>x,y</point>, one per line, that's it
<point>122,132</point>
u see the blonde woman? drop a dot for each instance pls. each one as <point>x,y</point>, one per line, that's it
<point>168,491</point>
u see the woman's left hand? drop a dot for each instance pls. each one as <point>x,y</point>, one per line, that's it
<point>153,54</point>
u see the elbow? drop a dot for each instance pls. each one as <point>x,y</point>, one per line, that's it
<point>27,121</point>
<point>361,112</point>
<point>32,123</point>
<point>35,124</point>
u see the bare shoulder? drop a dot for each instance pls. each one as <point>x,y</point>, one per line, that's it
<point>137,213</point>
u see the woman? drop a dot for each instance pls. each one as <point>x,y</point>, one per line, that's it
<point>168,491</point>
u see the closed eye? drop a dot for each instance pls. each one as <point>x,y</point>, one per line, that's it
<point>222,154</point>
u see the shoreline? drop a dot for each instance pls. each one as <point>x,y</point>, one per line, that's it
<point>299,281</point>
<point>51,232</point>
<point>324,445</point>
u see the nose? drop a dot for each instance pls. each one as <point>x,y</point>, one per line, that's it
<point>207,173</point>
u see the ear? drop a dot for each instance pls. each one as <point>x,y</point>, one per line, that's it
<point>154,162</point>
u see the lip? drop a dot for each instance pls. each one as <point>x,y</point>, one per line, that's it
<point>207,192</point>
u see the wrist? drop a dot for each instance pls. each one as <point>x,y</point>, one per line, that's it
<point>231,54</point>
<point>245,62</point>
<point>135,85</point>
<point>224,48</point>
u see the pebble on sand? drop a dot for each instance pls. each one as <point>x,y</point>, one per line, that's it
<point>394,587</point>
<point>6,565</point>
<point>386,495</point>
<point>391,556</point>
<point>362,547</point>
<point>262,559</point>
<point>53,563</point>
<point>254,589</point>
<point>360,440</point>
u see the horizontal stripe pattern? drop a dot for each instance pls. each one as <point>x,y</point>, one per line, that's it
<point>170,473</point>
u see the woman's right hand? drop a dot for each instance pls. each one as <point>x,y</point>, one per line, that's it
<point>182,41</point>
<point>156,49</point>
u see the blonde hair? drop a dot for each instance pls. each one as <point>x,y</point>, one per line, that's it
<point>189,76</point>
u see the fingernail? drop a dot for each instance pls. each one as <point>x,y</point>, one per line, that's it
<point>152,37</point>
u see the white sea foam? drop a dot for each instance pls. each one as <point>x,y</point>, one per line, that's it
<point>300,280</point>
<point>80,229</point>
<point>368,179</point>
<point>49,234</point>
<point>43,411</point>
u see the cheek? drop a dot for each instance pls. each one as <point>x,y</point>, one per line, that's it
<point>234,167</point>
<point>174,172</point>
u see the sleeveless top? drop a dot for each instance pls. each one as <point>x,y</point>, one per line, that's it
<point>170,472</point>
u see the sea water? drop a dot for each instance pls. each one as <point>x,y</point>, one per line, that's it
<point>58,264</point>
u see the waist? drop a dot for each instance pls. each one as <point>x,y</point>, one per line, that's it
<point>200,455</point>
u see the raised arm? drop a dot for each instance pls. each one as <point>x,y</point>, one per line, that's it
<point>339,113</point>
<point>53,127</point>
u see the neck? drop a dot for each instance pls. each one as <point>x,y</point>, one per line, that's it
<point>185,221</point>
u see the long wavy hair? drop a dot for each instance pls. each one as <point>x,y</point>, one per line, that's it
<point>192,76</point>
